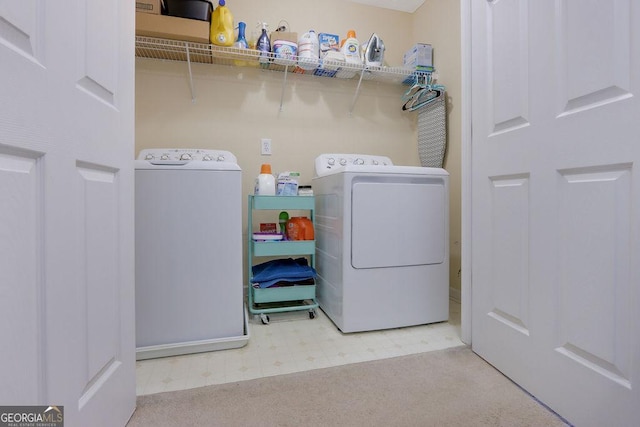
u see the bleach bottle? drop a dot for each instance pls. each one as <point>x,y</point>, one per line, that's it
<point>308,51</point>
<point>221,25</point>
<point>265,182</point>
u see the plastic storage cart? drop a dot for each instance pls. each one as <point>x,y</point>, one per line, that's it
<point>287,298</point>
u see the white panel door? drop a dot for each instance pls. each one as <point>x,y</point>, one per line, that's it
<point>556,201</point>
<point>66,207</point>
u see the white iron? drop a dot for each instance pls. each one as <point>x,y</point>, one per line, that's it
<point>374,51</point>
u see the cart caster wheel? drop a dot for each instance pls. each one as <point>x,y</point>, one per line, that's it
<point>312,314</point>
<point>264,318</point>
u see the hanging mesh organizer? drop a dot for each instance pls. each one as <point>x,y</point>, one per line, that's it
<point>432,133</point>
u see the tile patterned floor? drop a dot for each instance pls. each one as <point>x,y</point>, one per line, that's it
<point>292,343</point>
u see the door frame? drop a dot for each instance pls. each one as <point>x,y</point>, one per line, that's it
<point>466,164</point>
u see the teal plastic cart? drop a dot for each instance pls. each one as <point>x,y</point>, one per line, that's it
<point>263,301</point>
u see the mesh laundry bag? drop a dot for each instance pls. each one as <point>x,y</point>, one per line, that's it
<point>432,133</point>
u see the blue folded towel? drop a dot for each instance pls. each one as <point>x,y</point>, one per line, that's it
<point>289,269</point>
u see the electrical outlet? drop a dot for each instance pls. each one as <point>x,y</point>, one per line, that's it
<point>265,146</point>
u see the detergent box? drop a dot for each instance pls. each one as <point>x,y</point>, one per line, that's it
<point>287,184</point>
<point>328,42</point>
<point>420,55</point>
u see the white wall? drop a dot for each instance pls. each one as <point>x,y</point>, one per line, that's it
<point>235,107</point>
<point>438,22</point>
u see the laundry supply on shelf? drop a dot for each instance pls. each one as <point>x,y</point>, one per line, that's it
<point>266,237</point>
<point>300,228</point>
<point>351,48</point>
<point>265,182</point>
<point>268,227</point>
<point>305,190</point>
<point>329,50</point>
<point>287,184</point>
<point>222,25</point>
<point>419,55</point>
<point>308,50</point>
<point>241,40</point>
<point>263,45</point>
<point>284,45</point>
<point>328,43</point>
<point>241,43</point>
<point>283,272</point>
<point>282,220</point>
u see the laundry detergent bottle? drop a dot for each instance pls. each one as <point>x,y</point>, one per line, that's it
<point>221,25</point>
<point>351,49</point>
<point>265,182</point>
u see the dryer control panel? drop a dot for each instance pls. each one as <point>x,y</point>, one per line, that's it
<point>331,163</point>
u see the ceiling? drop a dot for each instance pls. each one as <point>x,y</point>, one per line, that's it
<point>401,5</point>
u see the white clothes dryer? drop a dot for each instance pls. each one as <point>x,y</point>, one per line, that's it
<point>188,219</point>
<point>382,242</point>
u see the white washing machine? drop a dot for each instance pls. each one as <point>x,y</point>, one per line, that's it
<point>382,242</point>
<point>188,218</point>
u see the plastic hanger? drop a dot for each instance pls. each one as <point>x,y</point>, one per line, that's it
<point>423,97</point>
<point>422,92</point>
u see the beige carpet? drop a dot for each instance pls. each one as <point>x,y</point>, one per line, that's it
<point>452,387</point>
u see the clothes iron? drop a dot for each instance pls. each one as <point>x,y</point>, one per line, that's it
<point>374,51</point>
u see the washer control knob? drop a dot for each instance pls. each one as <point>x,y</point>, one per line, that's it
<point>343,162</point>
<point>207,158</point>
<point>220,158</point>
<point>149,157</point>
<point>375,162</point>
<point>358,161</point>
<point>164,157</point>
<point>331,161</point>
<point>186,156</point>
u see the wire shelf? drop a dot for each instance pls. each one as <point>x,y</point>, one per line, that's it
<point>175,50</point>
